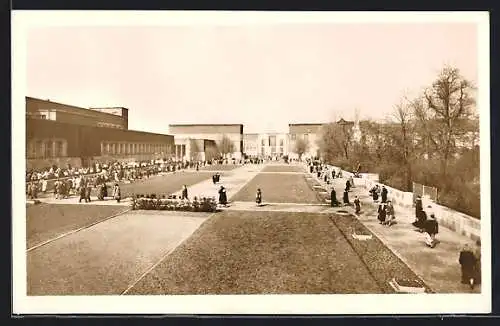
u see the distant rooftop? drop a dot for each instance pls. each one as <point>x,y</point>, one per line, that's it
<point>205,124</point>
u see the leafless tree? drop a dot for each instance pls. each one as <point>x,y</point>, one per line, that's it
<point>225,146</point>
<point>403,116</point>
<point>449,104</point>
<point>301,146</point>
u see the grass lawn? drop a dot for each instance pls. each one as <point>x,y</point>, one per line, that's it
<point>44,222</point>
<point>279,188</point>
<point>257,253</point>
<point>220,167</point>
<point>163,184</point>
<point>381,261</point>
<point>283,168</point>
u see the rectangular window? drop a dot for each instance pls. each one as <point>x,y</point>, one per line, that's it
<point>39,148</point>
<point>59,149</point>
<point>48,149</point>
<point>281,142</point>
<point>293,136</point>
<point>263,142</point>
<point>306,138</point>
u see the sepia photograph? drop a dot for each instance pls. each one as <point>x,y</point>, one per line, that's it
<point>251,162</point>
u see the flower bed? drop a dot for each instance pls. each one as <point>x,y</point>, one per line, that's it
<point>174,204</point>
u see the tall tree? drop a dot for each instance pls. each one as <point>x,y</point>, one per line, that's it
<point>403,116</point>
<point>225,146</point>
<point>450,103</point>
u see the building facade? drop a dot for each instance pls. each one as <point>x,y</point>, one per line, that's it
<point>53,139</point>
<point>213,132</point>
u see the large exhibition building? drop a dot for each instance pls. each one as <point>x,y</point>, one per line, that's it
<point>63,134</point>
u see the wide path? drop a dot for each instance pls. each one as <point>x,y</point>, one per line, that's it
<point>438,266</point>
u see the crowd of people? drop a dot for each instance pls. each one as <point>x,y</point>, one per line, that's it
<point>66,181</point>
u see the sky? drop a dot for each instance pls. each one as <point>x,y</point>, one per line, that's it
<point>263,76</point>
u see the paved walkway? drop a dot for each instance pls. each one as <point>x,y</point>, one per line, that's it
<point>438,267</point>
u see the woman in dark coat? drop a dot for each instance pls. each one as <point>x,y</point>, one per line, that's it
<point>347,185</point>
<point>346,197</point>
<point>333,198</point>
<point>467,262</point>
<point>222,196</point>
<point>384,194</point>
<point>382,213</point>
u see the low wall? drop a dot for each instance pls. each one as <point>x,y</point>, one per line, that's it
<point>460,223</point>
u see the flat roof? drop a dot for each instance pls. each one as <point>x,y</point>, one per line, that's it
<point>74,107</point>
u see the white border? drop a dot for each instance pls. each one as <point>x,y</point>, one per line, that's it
<point>22,21</point>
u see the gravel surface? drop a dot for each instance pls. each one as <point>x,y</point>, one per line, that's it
<point>283,168</point>
<point>258,253</point>
<point>108,257</point>
<point>164,184</point>
<point>44,221</point>
<point>279,188</point>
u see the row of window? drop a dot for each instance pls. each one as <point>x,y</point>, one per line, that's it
<point>108,148</point>
<point>303,136</point>
<point>271,141</point>
<point>47,148</point>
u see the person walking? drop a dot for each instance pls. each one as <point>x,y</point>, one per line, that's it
<point>431,229</point>
<point>82,189</point>
<point>88,190</point>
<point>467,262</point>
<point>258,197</point>
<point>222,196</point>
<point>357,204</point>
<point>184,192</point>
<point>117,193</point>
<point>382,213</point>
<point>333,198</point>
<point>346,197</point>
<point>390,218</point>
<point>384,194</point>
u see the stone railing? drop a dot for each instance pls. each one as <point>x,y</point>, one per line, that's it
<point>460,223</point>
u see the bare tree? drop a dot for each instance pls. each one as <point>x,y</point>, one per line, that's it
<point>212,152</point>
<point>403,115</point>
<point>301,146</point>
<point>449,105</point>
<point>225,146</point>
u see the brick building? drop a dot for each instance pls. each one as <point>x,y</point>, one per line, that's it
<point>213,132</point>
<point>62,134</point>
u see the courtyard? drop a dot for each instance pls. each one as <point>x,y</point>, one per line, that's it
<point>293,244</point>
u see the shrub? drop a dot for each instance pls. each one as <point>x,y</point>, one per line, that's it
<point>203,205</point>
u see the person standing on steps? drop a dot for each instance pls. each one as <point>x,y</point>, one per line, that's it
<point>258,197</point>
<point>382,213</point>
<point>431,229</point>
<point>357,204</point>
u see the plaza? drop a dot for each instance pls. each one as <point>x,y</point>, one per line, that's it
<point>294,243</point>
